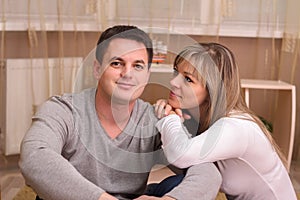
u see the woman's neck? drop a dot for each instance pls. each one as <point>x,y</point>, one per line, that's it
<point>195,113</point>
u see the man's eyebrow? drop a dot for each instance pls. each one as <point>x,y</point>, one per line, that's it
<point>121,59</point>
<point>116,58</point>
<point>140,61</point>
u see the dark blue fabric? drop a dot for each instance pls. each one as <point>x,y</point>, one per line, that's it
<point>159,189</point>
<point>165,186</point>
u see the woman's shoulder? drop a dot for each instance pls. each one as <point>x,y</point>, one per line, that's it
<point>236,121</point>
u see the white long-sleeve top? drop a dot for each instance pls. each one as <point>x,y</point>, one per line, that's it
<point>249,165</point>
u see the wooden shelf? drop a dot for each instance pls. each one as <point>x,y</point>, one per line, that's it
<point>266,84</point>
<point>163,68</point>
<point>285,114</point>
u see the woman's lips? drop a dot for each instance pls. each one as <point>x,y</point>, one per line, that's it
<point>173,95</point>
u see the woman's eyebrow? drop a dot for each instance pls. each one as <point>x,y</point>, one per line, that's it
<point>188,73</point>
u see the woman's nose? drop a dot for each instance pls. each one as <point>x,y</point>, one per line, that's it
<point>175,81</point>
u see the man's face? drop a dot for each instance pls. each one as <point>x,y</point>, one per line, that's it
<point>123,73</point>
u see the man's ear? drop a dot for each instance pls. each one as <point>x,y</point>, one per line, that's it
<point>148,75</point>
<point>97,73</point>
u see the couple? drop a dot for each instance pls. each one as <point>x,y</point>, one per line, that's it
<point>102,143</point>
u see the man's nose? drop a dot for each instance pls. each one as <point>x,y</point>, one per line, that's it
<point>126,70</point>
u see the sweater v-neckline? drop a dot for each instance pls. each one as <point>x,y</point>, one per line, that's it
<point>127,127</point>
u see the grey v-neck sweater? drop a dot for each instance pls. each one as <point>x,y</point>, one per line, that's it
<point>66,154</point>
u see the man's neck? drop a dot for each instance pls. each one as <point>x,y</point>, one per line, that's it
<point>113,116</point>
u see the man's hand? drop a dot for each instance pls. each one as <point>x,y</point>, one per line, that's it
<point>145,197</point>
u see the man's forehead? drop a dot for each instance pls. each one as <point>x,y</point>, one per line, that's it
<point>126,45</point>
<point>121,48</point>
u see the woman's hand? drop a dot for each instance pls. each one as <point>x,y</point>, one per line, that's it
<point>162,109</point>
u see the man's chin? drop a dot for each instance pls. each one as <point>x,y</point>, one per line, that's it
<point>121,101</point>
<point>124,99</point>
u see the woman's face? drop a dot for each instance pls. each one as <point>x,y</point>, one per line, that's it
<point>186,90</point>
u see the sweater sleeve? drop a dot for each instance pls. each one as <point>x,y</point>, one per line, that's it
<point>221,141</point>
<point>201,182</point>
<point>41,162</point>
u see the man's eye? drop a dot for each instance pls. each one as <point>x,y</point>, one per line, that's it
<point>116,64</point>
<point>139,67</point>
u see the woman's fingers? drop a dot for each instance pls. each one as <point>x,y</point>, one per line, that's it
<point>178,112</point>
<point>159,108</point>
<point>162,108</point>
<point>168,109</point>
<point>182,115</point>
<point>186,116</point>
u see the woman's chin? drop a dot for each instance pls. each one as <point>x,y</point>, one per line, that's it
<point>174,104</point>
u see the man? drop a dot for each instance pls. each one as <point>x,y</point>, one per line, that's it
<point>101,143</point>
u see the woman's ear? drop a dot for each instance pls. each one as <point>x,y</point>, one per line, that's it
<point>97,69</point>
<point>205,104</point>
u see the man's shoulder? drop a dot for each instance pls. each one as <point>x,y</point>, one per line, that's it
<point>80,96</point>
<point>68,100</point>
<point>145,106</point>
<point>141,102</point>
<point>145,110</point>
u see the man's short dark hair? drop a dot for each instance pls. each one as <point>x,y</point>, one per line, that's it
<point>124,32</point>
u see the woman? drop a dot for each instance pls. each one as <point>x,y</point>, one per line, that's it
<point>206,86</point>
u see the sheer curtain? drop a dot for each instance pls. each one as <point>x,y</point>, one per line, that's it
<point>264,35</point>
<point>289,68</point>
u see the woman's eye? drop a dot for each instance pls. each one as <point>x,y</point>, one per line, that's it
<point>175,72</point>
<point>188,79</point>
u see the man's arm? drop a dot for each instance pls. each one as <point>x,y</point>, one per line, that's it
<point>42,165</point>
<point>201,182</point>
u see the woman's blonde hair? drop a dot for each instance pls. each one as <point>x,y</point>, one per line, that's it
<point>217,70</point>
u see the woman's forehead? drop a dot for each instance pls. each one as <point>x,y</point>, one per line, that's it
<point>191,68</point>
<point>187,66</point>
